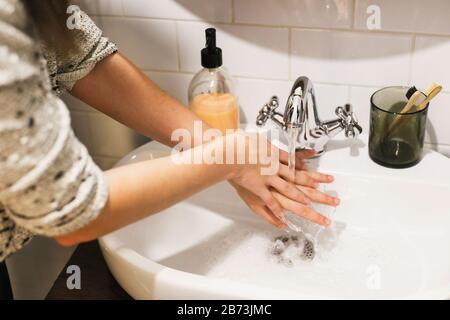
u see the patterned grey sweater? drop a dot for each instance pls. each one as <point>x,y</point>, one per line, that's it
<point>49,185</point>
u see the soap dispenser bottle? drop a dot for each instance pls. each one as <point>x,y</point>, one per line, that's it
<point>211,92</point>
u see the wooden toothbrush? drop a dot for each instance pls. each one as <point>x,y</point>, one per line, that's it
<point>431,92</point>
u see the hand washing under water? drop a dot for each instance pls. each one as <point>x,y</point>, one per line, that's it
<point>303,238</point>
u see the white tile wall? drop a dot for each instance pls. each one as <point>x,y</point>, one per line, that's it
<point>328,97</point>
<point>106,139</point>
<point>205,10</point>
<point>305,13</point>
<point>110,138</point>
<point>82,128</point>
<point>150,44</point>
<point>268,43</point>
<point>247,51</point>
<point>444,149</point>
<point>351,57</point>
<point>75,104</point>
<point>429,16</point>
<point>360,100</point>
<point>100,7</point>
<point>439,119</point>
<point>254,93</point>
<point>106,163</point>
<point>431,61</point>
<point>176,84</point>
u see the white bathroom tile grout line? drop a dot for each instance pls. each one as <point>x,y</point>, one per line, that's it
<point>297,27</point>
<point>122,7</point>
<point>177,46</point>
<point>411,60</point>
<point>213,22</point>
<point>261,78</point>
<point>339,84</point>
<point>182,72</point>
<point>233,17</point>
<point>438,144</point>
<point>354,15</point>
<point>359,31</point>
<point>290,53</point>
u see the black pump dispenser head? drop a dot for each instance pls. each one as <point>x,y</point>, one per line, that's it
<point>211,55</point>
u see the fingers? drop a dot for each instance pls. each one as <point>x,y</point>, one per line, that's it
<point>284,159</point>
<point>264,213</point>
<point>319,197</point>
<point>299,155</point>
<point>283,156</point>
<point>319,177</point>
<point>305,154</point>
<point>305,178</point>
<point>302,155</point>
<point>288,189</point>
<point>258,206</point>
<point>302,210</point>
<point>271,202</point>
<point>300,177</point>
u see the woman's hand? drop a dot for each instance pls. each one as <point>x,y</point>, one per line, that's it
<point>268,196</point>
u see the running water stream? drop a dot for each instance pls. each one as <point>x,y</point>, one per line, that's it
<point>292,134</point>
<point>302,236</point>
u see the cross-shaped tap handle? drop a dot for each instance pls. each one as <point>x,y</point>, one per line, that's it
<point>267,111</point>
<point>349,121</point>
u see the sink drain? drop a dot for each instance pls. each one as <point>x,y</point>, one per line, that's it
<point>288,247</point>
<point>308,250</point>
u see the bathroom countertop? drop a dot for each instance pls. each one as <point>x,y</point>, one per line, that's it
<point>97,282</point>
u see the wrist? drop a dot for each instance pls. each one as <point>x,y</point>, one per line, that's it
<point>220,154</point>
<point>235,150</point>
<point>233,171</point>
<point>231,149</point>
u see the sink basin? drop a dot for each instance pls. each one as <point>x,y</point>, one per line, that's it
<point>394,241</point>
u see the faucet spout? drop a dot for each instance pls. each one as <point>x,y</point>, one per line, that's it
<point>301,114</point>
<point>297,103</point>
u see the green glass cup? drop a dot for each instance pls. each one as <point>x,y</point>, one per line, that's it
<point>396,138</point>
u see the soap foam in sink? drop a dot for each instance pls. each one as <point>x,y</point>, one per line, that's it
<point>264,257</point>
<point>245,253</point>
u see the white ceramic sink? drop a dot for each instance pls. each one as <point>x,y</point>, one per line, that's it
<point>394,240</point>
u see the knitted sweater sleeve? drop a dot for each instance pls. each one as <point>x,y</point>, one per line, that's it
<point>49,184</point>
<point>93,47</point>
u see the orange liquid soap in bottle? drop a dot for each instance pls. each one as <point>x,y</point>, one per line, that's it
<point>211,92</point>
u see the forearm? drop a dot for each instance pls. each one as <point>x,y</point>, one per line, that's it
<point>142,189</point>
<point>119,89</point>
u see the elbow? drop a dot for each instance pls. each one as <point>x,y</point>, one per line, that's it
<point>66,241</point>
<point>77,237</point>
<point>70,240</point>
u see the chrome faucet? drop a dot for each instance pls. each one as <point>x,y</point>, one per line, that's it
<point>301,113</point>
